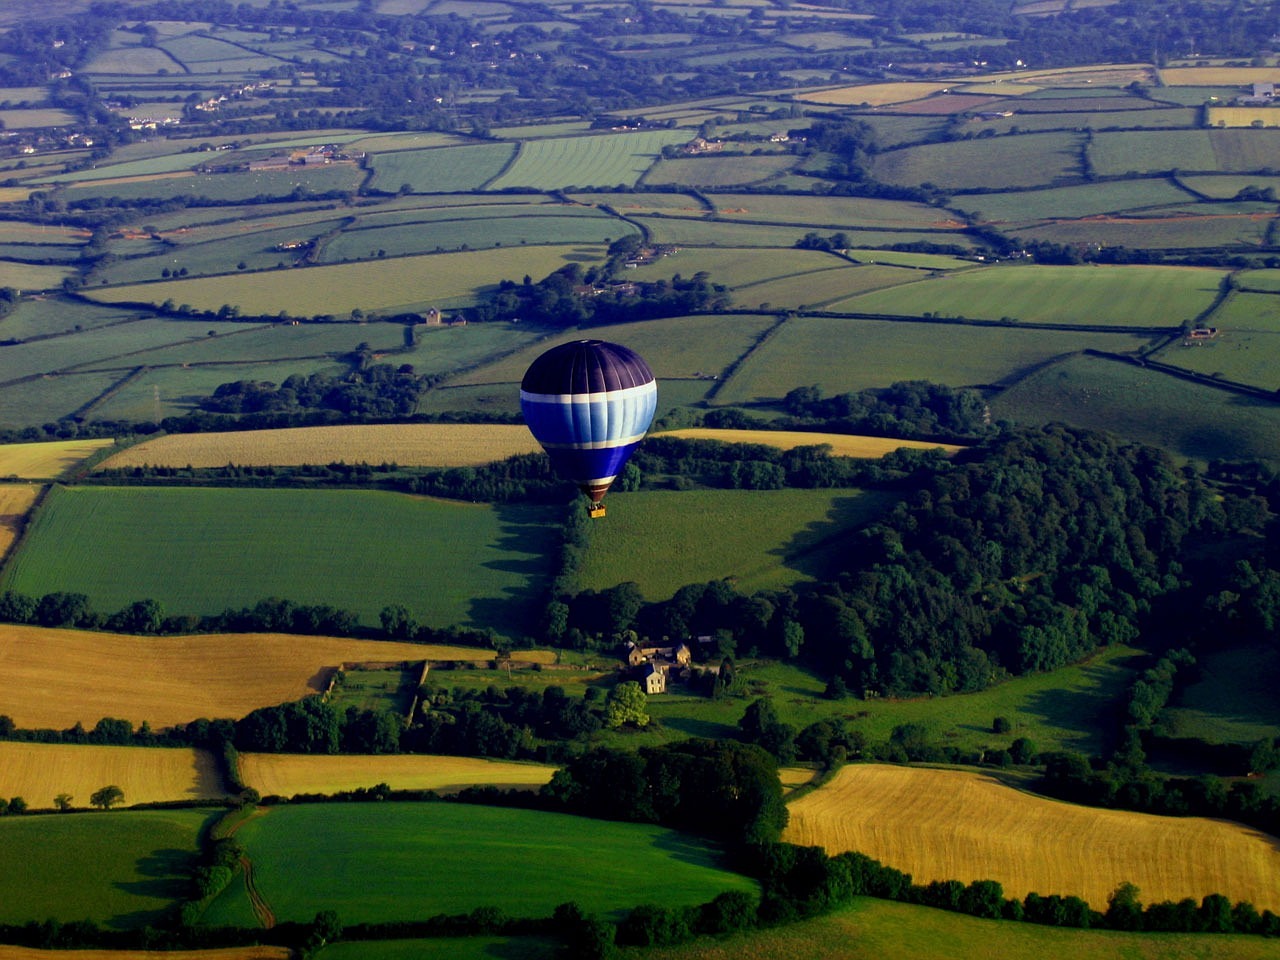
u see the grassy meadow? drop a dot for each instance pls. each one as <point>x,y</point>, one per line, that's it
<point>1232,699</point>
<point>168,681</point>
<point>594,161</point>
<point>841,444</point>
<point>39,772</point>
<point>663,540</point>
<point>284,775</point>
<point>957,825</point>
<point>406,860</point>
<point>140,861</point>
<point>475,564</point>
<point>407,444</point>
<point>874,929</point>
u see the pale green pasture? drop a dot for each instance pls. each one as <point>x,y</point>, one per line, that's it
<point>1000,162</point>
<point>50,398</point>
<point>631,204</point>
<point>1172,118</point>
<point>789,537</point>
<point>1119,296</point>
<point>37,117</point>
<point>1224,187</point>
<point>694,347</point>
<point>834,212</point>
<point>202,52</point>
<point>737,267</point>
<point>892,131</point>
<point>1191,420</point>
<point>227,187</point>
<point>1268,280</point>
<point>29,277</point>
<point>400,283</point>
<point>165,163</point>
<point>820,288</point>
<point>715,170</point>
<point>189,231</point>
<point>175,391</point>
<point>1151,232</point>
<point>1237,151</point>
<point>133,60</point>
<point>1240,355</point>
<point>253,343</point>
<point>1081,201</point>
<point>843,355</point>
<point>56,314</point>
<point>537,206</point>
<point>691,231</point>
<point>921,261</point>
<point>473,233</point>
<point>604,160</point>
<point>538,131</point>
<point>30,95</point>
<point>1246,310</point>
<point>440,170</point>
<point>1113,154</point>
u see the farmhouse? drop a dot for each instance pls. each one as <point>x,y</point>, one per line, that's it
<point>652,666</point>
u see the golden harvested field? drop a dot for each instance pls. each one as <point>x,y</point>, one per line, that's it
<point>842,445</point>
<point>286,774</point>
<point>173,680</point>
<point>38,772</point>
<point>1211,76</point>
<point>408,444</point>
<point>955,825</point>
<point>793,778</point>
<point>46,461</point>
<point>876,94</point>
<point>15,503</point>
<point>1243,116</point>
<point>227,953</point>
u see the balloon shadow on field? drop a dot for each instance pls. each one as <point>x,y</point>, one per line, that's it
<point>524,548</point>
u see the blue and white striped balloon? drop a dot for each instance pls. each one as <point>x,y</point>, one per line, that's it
<point>589,404</point>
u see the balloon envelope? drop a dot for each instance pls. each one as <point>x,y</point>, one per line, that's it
<point>589,403</point>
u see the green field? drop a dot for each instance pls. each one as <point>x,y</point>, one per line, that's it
<point>843,355</point>
<point>447,562</point>
<point>663,540</point>
<point>1118,153</point>
<point>1115,296</point>
<point>874,929</point>
<point>1191,420</point>
<point>1082,201</point>
<point>1001,162</point>
<point>440,170</point>
<point>1226,187</point>
<point>1154,232</point>
<point>444,948</point>
<point>120,869</point>
<point>837,213</point>
<point>375,690</point>
<point>596,161</point>
<point>403,861</point>
<point>739,266</point>
<point>50,398</point>
<point>225,187</point>
<point>474,233</point>
<point>718,171</point>
<point>818,288</point>
<point>395,284</point>
<point>1232,701</point>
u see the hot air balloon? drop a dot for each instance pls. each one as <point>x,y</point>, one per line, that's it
<point>589,404</point>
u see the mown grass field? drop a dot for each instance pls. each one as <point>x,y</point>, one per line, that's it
<point>121,869</point>
<point>842,444</point>
<point>408,444</point>
<point>284,775</point>
<point>718,171</point>
<point>843,355</point>
<point>663,540</point>
<point>407,283</point>
<point>506,231</point>
<point>818,288</point>
<point>1022,161</point>
<point>1114,296</point>
<point>874,929</point>
<point>440,170</point>
<point>1156,231</point>
<point>40,771</point>
<point>675,347</point>
<point>738,266</point>
<point>957,825</point>
<point>474,564</point>
<point>42,461</point>
<point>1082,201</point>
<point>8,952</point>
<point>404,861</point>
<point>596,161</point>
<point>834,212</point>
<point>1243,356</point>
<point>1194,421</point>
<point>174,680</point>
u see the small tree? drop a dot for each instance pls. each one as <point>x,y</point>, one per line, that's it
<point>63,802</point>
<point>107,797</point>
<point>626,704</point>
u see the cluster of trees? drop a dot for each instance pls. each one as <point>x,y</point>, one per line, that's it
<point>909,409</point>
<point>570,297</point>
<point>370,392</point>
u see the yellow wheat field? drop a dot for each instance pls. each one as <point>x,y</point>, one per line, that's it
<point>1243,116</point>
<point>876,94</point>
<point>228,953</point>
<point>793,778</point>
<point>16,501</point>
<point>38,772</point>
<point>1216,76</point>
<point>409,444</point>
<point>46,461</point>
<point>955,825</point>
<point>286,774</point>
<point>57,678</point>
<point>842,445</point>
